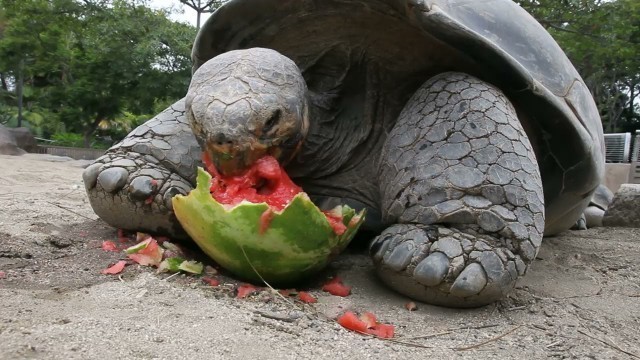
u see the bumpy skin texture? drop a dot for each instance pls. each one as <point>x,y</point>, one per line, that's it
<point>248,104</point>
<point>131,186</point>
<point>459,158</point>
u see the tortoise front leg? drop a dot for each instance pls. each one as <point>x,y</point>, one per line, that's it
<point>132,185</point>
<point>460,183</point>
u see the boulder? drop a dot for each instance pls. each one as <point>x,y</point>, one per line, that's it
<point>8,144</point>
<point>624,210</point>
<point>24,139</point>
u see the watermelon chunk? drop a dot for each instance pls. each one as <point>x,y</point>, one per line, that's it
<point>384,331</point>
<point>306,297</point>
<point>171,264</point>
<point>109,246</point>
<point>369,319</point>
<point>191,266</point>
<point>245,290</point>
<point>146,253</point>
<point>264,182</point>
<point>351,321</point>
<point>367,324</point>
<point>257,241</point>
<point>335,287</point>
<point>211,281</point>
<point>115,268</point>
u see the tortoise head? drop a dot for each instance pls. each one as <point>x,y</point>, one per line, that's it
<point>245,104</point>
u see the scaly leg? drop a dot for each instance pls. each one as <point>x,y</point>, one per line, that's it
<point>461,186</point>
<point>132,184</point>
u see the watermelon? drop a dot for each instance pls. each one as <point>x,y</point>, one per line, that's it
<point>306,297</point>
<point>115,268</point>
<point>108,245</point>
<point>261,226</point>
<point>335,287</point>
<point>367,323</point>
<point>350,320</point>
<point>211,281</point>
<point>245,290</point>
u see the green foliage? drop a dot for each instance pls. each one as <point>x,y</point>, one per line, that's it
<point>104,66</point>
<point>602,39</point>
<point>42,122</point>
<point>87,62</point>
<point>122,124</point>
<point>68,139</point>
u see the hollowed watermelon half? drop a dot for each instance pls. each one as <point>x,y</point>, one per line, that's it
<point>282,239</point>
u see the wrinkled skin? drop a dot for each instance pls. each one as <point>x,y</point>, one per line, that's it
<point>132,184</point>
<point>244,106</point>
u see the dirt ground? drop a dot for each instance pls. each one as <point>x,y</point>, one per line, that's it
<point>581,299</point>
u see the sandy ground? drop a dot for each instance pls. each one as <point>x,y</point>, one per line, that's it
<point>580,300</point>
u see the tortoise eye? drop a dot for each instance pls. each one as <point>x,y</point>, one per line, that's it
<point>273,120</point>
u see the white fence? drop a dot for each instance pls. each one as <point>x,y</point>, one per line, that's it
<point>617,147</point>
<point>634,175</point>
<point>624,148</point>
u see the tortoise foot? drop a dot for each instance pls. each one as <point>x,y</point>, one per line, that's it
<point>590,218</point>
<point>447,266</point>
<point>131,187</point>
<point>462,184</point>
<point>129,192</point>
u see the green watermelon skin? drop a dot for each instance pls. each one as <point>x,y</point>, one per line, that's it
<point>298,242</point>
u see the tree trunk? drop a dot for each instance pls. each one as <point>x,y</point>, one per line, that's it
<point>3,80</point>
<point>90,130</point>
<point>19,87</point>
<point>199,13</point>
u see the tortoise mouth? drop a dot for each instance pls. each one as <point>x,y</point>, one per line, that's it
<point>233,159</point>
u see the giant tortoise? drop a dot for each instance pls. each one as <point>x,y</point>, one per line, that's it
<point>461,127</point>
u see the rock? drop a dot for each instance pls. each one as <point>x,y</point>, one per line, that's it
<point>625,207</point>
<point>24,139</point>
<point>8,144</point>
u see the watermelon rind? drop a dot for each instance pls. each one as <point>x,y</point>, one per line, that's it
<point>298,242</point>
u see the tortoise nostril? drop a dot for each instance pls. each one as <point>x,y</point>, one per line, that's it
<point>221,139</point>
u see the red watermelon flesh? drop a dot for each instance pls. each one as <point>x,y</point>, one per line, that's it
<point>265,181</point>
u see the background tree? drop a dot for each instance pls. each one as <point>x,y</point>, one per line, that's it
<point>87,64</point>
<point>107,65</point>
<point>602,39</point>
